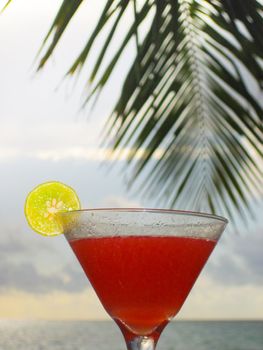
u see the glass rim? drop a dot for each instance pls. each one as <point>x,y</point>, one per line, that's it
<point>150,210</point>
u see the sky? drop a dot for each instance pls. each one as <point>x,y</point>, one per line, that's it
<point>44,136</point>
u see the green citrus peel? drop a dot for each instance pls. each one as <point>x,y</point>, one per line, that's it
<point>44,202</point>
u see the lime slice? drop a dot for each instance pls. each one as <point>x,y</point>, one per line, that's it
<point>44,202</point>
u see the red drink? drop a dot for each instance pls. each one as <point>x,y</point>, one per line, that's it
<point>142,281</point>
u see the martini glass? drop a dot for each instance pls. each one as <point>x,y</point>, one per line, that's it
<point>142,263</point>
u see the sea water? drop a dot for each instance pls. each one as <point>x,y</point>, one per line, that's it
<point>100,335</point>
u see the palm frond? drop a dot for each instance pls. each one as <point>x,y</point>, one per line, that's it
<point>190,110</point>
<point>4,6</point>
<point>60,23</point>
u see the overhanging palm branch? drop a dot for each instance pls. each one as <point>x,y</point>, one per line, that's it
<point>190,110</point>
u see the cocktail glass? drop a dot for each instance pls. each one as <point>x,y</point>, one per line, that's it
<point>142,263</point>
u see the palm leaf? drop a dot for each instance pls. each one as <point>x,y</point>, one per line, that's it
<point>63,17</point>
<point>4,6</point>
<point>190,110</point>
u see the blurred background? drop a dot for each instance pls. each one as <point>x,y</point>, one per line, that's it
<point>45,135</point>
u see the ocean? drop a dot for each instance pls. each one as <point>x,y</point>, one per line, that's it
<point>100,335</point>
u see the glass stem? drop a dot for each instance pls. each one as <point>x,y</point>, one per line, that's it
<point>141,343</point>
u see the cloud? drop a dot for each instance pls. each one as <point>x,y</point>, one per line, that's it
<point>54,141</point>
<point>72,153</point>
<point>52,306</point>
<point>120,202</point>
<point>34,264</point>
<point>49,140</point>
<point>240,261</point>
<point>25,277</point>
<point>211,300</point>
